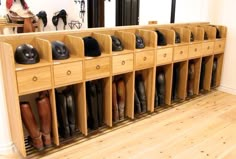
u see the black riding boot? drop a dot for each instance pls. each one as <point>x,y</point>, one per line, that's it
<point>160,82</point>
<point>140,90</point>
<point>191,73</point>
<point>99,101</point>
<point>175,82</point>
<point>213,77</point>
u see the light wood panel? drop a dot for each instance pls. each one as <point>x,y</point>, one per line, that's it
<point>208,73</point>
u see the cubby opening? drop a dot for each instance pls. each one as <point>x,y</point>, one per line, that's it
<point>144,82</point>
<point>194,68</point>
<point>163,85</point>
<point>39,120</point>
<point>206,73</point>
<point>122,97</point>
<point>216,70</point>
<point>179,81</point>
<point>98,104</point>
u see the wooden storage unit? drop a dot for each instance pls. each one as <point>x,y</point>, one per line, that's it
<point>23,82</point>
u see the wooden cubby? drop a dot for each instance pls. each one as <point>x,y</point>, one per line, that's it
<point>168,71</point>
<point>20,83</point>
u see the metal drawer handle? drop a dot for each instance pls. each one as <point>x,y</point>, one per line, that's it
<point>181,52</point>
<point>98,67</point>
<point>164,55</point>
<point>208,47</point>
<point>123,63</point>
<point>35,78</point>
<point>144,58</point>
<point>195,49</point>
<point>219,46</point>
<point>68,72</point>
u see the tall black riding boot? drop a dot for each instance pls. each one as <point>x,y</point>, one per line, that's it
<point>175,82</point>
<point>70,103</point>
<point>62,115</point>
<point>191,72</point>
<point>213,77</point>
<point>99,89</point>
<point>160,82</point>
<point>202,76</point>
<point>156,100</point>
<point>137,104</point>
<point>140,90</point>
<point>91,96</point>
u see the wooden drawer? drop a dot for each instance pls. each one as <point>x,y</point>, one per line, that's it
<point>122,63</point>
<point>34,79</point>
<point>96,68</point>
<point>195,50</point>
<point>144,59</point>
<point>207,48</point>
<point>219,46</point>
<point>164,56</point>
<point>68,73</point>
<point>180,53</point>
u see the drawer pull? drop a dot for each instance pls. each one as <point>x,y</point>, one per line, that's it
<point>68,72</point>
<point>123,63</point>
<point>219,46</point>
<point>98,67</point>
<point>164,55</point>
<point>181,52</point>
<point>195,49</point>
<point>144,58</point>
<point>35,78</point>
<point>208,47</point>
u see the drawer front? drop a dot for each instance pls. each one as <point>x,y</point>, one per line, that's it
<point>68,73</point>
<point>180,53</point>
<point>34,79</point>
<point>195,50</point>
<point>144,59</point>
<point>122,63</point>
<point>164,56</point>
<point>207,48</point>
<point>219,46</point>
<point>95,68</point>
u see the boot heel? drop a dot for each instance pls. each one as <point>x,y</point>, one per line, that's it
<point>47,140</point>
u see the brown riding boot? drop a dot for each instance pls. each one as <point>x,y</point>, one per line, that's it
<point>44,111</point>
<point>115,111</point>
<point>35,138</point>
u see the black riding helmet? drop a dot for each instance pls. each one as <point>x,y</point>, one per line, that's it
<point>161,40</point>
<point>26,54</point>
<point>59,50</point>
<point>139,42</point>
<point>91,47</point>
<point>116,44</point>
<point>177,37</point>
<point>191,37</point>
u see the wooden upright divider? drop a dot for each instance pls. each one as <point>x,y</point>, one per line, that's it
<point>24,82</point>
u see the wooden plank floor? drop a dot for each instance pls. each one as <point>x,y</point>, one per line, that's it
<point>202,128</point>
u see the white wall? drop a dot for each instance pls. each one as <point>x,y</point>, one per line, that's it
<point>157,10</point>
<point>110,13</point>
<point>225,16</point>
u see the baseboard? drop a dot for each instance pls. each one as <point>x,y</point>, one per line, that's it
<point>7,149</point>
<point>227,90</point>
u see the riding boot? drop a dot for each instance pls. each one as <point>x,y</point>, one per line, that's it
<point>213,77</point>
<point>202,76</point>
<point>137,105</point>
<point>99,101</point>
<point>115,111</point>
<point>29,121</point>
<point>62,117</point>
<point>175,82</point>
<point>140,90</point>
<point>121,98</point>
<point>91,96</point>
<point>191,73</point>
<point>45,117</point>
<point>70,104</point>
<point>156,99</point>
<point>161,88</point>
